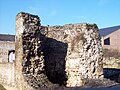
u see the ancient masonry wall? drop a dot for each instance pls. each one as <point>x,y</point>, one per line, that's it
<point>84,52</point>
<point>29,71</point>
<point>6,69</point>
<point>65,55</point>
<point>19,78</point>
<point>5,47</point>
<point>7,74</point>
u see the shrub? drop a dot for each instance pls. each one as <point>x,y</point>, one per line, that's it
<point>111,53</point>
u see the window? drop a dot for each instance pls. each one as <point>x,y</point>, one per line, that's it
<point>107,41</point>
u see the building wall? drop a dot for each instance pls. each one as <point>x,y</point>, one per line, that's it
<point>114,40</point>
<point>5,47</point>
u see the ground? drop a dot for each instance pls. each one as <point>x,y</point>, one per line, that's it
<point>8,71</point>
<point>6,87</point>
<point>1,87</point>
<point>107,88</point>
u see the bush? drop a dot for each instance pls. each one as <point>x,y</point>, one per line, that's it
<point>111,53</point>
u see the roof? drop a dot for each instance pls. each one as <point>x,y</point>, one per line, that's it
<point>7,37</point>
<point>109,30</point>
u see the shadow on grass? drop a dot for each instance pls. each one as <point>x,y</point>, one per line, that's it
<point>112,74</point>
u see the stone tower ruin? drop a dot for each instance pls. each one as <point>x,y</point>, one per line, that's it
<point>65,55</point>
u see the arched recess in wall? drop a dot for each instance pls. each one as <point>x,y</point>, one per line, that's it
<point>11,56</point>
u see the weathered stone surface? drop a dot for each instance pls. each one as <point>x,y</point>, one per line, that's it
<point>20,81</point>
<point>5,47</point>
<point>84,52</point>
<point>7,74</point>
<point>29,59</point>
<point>65,55</point>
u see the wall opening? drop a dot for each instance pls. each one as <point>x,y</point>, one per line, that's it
<point>54,55</point>
<point>11,56</point>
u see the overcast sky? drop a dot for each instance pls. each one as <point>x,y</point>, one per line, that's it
<point>105,13</point>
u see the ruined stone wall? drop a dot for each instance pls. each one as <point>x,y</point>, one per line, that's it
<point>65,55</point>
<point>84,51</point>
<point>19,79</point>
<point>7,74</point>
<point>29,63</point>
<point>5,47</point>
